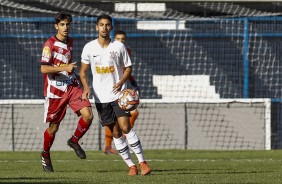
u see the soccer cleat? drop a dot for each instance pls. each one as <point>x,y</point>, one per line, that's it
<point>78,150</point>
<point>109,150</point>
<point>133,171</point>
<point>46,162</point>
<point>145,169</point>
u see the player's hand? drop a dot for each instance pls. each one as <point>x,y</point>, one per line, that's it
<point>71,67</point>
<point>117,88</point>
<point>86,94</point>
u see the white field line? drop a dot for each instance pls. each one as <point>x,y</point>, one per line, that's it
<point>157,160</point>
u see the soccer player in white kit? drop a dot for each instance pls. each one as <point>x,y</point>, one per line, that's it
<point>111,66</point>
<point>121,37</point>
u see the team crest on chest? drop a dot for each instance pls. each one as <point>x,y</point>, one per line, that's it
<point>113,55</point>
<point>60,50</point>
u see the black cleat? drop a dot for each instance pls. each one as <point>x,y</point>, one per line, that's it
<point>78,150</point>
<point>46,163</point>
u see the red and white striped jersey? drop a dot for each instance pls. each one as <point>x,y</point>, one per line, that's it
<point>56,53</point>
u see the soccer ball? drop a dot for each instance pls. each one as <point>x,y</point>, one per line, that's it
<point>128,99</point>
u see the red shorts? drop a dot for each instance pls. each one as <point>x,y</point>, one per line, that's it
<point>55,108</point>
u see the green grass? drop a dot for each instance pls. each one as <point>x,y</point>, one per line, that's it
<point>168,166</point>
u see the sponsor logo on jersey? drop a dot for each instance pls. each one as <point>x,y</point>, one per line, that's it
<point>64,80</point>
<point>104,70</point>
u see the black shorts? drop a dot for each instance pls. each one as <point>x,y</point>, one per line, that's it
<point>109,112</point>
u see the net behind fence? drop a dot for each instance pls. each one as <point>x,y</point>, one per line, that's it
<point>196,124</point>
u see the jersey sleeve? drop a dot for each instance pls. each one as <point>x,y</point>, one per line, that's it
<point>46,57</point>
<point>85,57</point>
<point>125,57</point>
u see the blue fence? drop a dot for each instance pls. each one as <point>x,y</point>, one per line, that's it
<point>241,55</point>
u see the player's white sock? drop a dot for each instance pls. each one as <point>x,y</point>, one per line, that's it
<point>123,151</point>
<point>135,144</point>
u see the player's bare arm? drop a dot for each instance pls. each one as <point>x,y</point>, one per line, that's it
<point>83,79</point>
<point>55,69</point>
<point>126,75</point>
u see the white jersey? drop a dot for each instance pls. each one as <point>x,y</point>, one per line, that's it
<point>107,66</point>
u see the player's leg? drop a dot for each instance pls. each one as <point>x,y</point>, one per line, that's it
<point>135,144</point>
<point>108,118</point>
<point>123,149</point>
<point>134,114</point>
<point>83,108</point>
<point>49,137</point>
<point>55,110</point>
<point>108,142</point>
<point>132,138</point>
<point>82,127</point>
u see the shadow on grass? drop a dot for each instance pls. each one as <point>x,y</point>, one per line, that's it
<point>14,181</point>
<point>30,180</point>
<point>195,171</point>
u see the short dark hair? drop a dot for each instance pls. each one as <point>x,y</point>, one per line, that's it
<point>119,32</point>
<point>62,16</point>
<point>104,16</point>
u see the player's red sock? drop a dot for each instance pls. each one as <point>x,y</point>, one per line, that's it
<point>81,129</point>
<point>48,141</point>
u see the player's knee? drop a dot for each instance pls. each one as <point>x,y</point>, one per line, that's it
<point>88,117</point>
<point>116,134</point>
<point>87,114</point>
<point>126,129</point>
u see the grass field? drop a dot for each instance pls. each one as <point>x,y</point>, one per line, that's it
<point>169,166</point>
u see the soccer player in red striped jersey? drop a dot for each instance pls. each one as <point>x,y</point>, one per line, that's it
<point>62,89</point>
<point>121,37</point>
